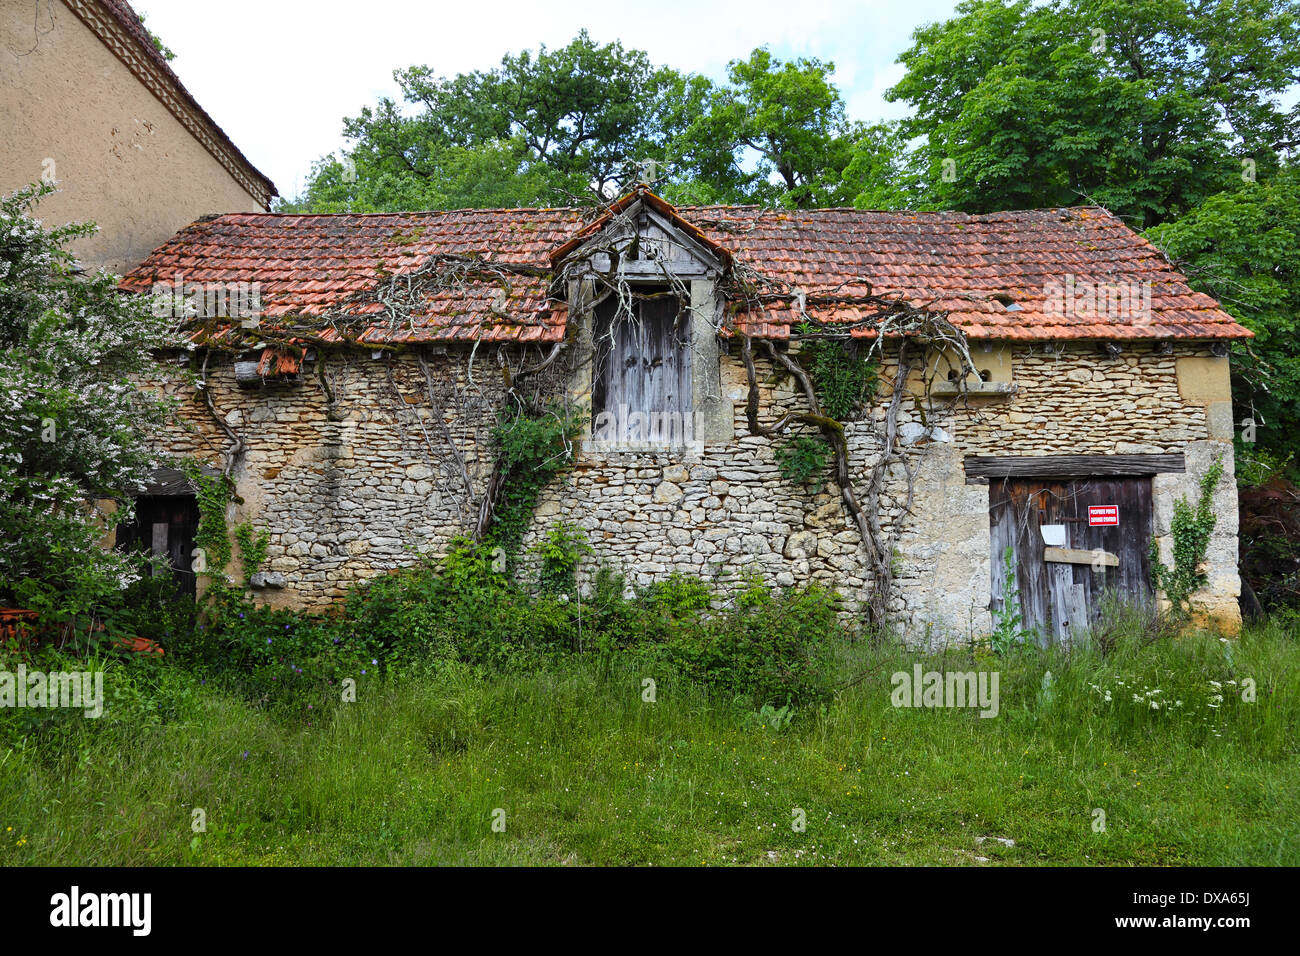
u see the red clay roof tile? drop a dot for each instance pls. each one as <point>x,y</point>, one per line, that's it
<point>972,267</point>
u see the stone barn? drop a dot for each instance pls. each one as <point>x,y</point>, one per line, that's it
<point>892,404</point>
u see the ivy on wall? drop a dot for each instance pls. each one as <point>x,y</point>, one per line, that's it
<point>803,460</point>
<point>212,549</point>
<point>845,382</point>
<point>531,450</point>
<point>213,494</point>
<point>1191,528</point>
<point>252,549</point>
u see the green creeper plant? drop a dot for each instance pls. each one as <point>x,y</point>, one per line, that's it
<point>531,451</point>
<point>252,549</point>
<point>1007,620</point>
<point>1190,528</point>
<point>212,494</point>
<point>803,460</point>
<point>560,551</point>
<point>842,380</point>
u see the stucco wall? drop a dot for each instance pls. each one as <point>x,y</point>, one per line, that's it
<point>350,498</point>
<point>73,110</point>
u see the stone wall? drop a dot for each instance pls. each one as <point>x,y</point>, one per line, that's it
<point>350,490</point>
<point>357,489</point>
<point>726,511</point>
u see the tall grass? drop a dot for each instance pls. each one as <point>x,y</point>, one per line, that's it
<point>581,769</point>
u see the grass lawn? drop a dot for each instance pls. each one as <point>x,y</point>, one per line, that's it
<point>587,772</point>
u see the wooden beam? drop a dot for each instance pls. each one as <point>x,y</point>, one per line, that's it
<point>1080,556</point>
<point>980,468</point>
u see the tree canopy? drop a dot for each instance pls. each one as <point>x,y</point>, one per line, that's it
<point>562,125</point>
<point>1147,107</point>
<point>1167,112</point>
<point>776,134</point>
<point>1242,246</point>
<point>537,130</point>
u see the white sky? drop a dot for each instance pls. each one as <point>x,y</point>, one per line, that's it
<point>279,75</point>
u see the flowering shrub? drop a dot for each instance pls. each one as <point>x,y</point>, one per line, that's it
<point>73,426</point>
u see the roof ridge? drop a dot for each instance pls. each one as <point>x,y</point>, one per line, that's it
<point>411,212</point>
<point>774,210</point>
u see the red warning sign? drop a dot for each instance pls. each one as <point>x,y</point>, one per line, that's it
<point>1103,516</point>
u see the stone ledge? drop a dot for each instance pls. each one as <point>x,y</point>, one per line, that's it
<point>974,389</point>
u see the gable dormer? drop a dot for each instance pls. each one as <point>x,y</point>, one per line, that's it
<point>644,285</point>
<point>648,240</point>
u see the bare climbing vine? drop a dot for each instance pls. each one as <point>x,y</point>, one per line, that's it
<point>232,455</point>
<point>912,332</point>
<point>509,389</point>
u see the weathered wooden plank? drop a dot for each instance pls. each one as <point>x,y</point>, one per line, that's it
<point>1002,535</point>
<point>1017,509</point>
<point>1070,466</point>
<point>158,541</point>
<point>974,389</point>
<point>1078,556</point>
<point>1060,581</point>
<point>663,268</point>
<point>1080,618</point>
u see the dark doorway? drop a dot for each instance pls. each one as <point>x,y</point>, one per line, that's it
<point>1073,541</point>
<point>164,527</point>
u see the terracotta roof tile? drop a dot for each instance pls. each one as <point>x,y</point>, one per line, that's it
<point>991,274</point>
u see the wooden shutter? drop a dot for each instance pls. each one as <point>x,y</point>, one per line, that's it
<point>643,363</point>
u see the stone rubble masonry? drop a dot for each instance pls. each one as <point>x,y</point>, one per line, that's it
<point>349,499</point>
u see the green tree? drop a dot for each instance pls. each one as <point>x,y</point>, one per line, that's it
<point>1146,106</point>
<point>1242,246</point>
<point>883,172</point>
<point>560,125</point>
<point>493,175</point>
<point>777,134</point>
<point>540,129</point>
<point>73,425</point>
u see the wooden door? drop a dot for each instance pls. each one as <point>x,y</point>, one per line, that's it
<point>1105,527</point>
